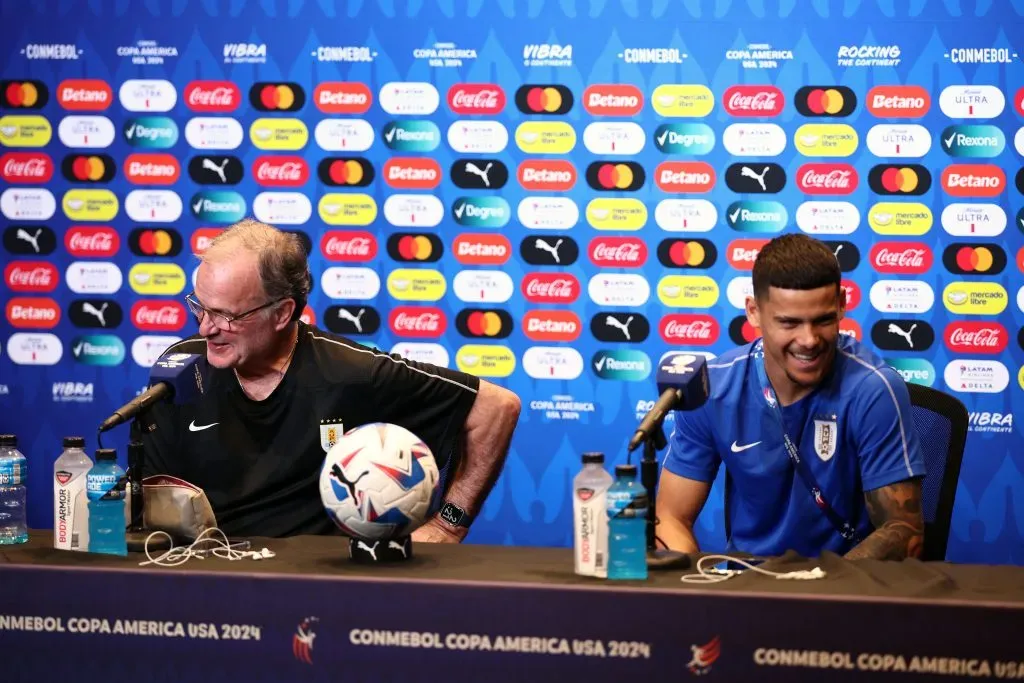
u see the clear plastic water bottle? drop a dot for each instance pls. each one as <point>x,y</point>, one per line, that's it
<point>13,476</point>
<point>590,517</point>
<point>105,485</point>
<point>627,526</point>
<point>70,503</point>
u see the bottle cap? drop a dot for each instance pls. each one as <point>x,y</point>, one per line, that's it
<point>106,454</point>
<point>625,471</point>
<point>593,457</point>
<point>74,442</point>
<point>8,440</point>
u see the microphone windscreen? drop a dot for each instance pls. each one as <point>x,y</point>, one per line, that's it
<point>186,373</point>
<point>686,373</point>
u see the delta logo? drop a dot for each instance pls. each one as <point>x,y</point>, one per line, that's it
<point>151,169</point>
<point>31,276</point>
<point>973,180</point>
<point>550,288</point>
<point>470,99</point>
<point>24,94</point>
<point>348,245</point>
<point>345,171</point>
<point>415,247</point>
<point>684,176</point>
<point>689,328</point>
<point>896,179</point>
<point>901,258</point>
<point>26,167</point>
<point>155,242</point>
<point>412,173</point>
<point>84,94</point>
<point>418,321</point>
<point>481,249</point>
<point>898,101</point>
<point>836,179</point>
<point>337,97</point>
<point>484,322</point>
<point>613,100</point>
<point>546,175</point>
<point>549,100</point>
<point>552,326</point>
<point>976,337</point>
<point>825,100</point>
<point>971,259</point>
<point>88,168</point>
<point>618,252</point>
<point>280,171</point>
<point>742,253</point>
<point>754,100</point>
<point>208,97</point>
<point>83,241</point>
<point>33,313</point>
<point>277,96</point>
<point>695,253</point>
<point>158,315</point>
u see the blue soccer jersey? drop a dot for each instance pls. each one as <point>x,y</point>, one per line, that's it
<point>855,431</point>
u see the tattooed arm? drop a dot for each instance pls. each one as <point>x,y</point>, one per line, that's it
<point>895,510</point>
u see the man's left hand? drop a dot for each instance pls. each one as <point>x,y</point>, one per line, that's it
<point>435,531</point>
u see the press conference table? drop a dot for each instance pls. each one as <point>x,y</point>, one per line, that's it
<point>494,613</point>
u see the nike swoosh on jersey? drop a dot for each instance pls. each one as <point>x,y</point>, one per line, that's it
<point>736,448</point>
<point>193,427</point>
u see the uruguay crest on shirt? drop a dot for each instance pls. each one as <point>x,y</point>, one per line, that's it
<point>825,436</point>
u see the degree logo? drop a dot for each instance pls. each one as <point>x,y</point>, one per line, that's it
<point>24,94</point>
<point>969,259</point>
<point>896,179</point>
<point>415,247</point>
<point>625,176</point>
<point>341,171</point>
<point>549,100</point>
<point>151,132</point>
<point>696,139</point>
<point>914,370</point>
<point>825,100</point>
<point>481,212</point>
<point>488,323</point>
<point>695,253</point>
<point>88,168</point>
<point>277,96</point>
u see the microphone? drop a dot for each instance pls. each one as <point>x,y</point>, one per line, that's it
<point>682,384</point>
<point>175,376</point>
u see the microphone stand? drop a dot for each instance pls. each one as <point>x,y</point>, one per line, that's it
<point>657,558</point>
<point>136,534</point>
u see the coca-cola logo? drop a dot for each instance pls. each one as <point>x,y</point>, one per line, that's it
<point>212,96</point>
<point>418,321</point>
<point>977,337</point>
<point>26,167</point>
<point>827,178</point>
<point>158,315</point>
<point>550,288</point>
<point>274,171</point>
<point>476,98</point>
<point>754,100</point>
<point>88,241</point>
<point>910,258</point>
<point>31,276</point>
<point>348,245</point>
<point>682,328</point>
<point>618,251</point>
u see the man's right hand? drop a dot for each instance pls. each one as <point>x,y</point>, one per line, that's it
<point>679,502</point>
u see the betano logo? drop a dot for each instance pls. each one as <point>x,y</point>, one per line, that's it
<point>25,131</point>
<point>33,313</point>
<point>613,100</point>
<point>406,284</point>
<point>624,365</point>
<point>90,205</point>
<point>151,169</point>
<point>973,180</point>
<point>482,249</point>
<point>279,134</point>
<point>337,97</point>
<point>975,298</point>
<point>157,278</point>
<point>900,218</point>
<point>546,175</point>
<point>347,209</point>
<point>545,137</point>
<point>898,101</point>
<point>826,140</point>
<point>742,253</point>
<point>675,100</point>
<point>84,94</point>
<point>973,141</point>
<point>684,176</point>
<point>412,173</point>
<point>616,214</point>
<point>696,139</point>
<point>551,326</point>
<point>688,291</point>
<point>411,135</point>
<point>485,360</point>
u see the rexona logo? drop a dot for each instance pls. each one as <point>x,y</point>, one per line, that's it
<point>411,136</point>
<point>35,131</point>
<point>621,364</point>
<point>348,245</point>
<point>695,253</point>
<point>684,176</point>
<point>976,337</point>
<point>154,242</point>
<point>552,326</point>
<point>975,298</point>
<point>412,173</point>
<point>902,335</point>
<point>481,212</point>
<point>484,323</point>
<point>83,241</point>
<point>98,349</point>
<point>218,206</point>
<point>157,278</point>
<point>406,284</point>
<point>415,247</point>
<point>973,180</point>
<point>630,328</point>
<point>549,175</point>
<point>24,94</point>
<point>742,253</point>
<point>277,96</point>
<point>898,101</point>
<point>33,313</point>
<point>969,259</point>
<point>901,258</point>
<point>914,370</point>
<point>825,100</point>
<point>696,139</point>
<point>828,178</point>
<point>352,320</point>
<point>900,218</point>
<point>485,360</point>
<point>151,132</point>
<point>751,178</point>
<point>753,100</point>
<point>280,171</point>
<point>624,176</point>
<point>151,169</point>
<point>478,174</point>
<point>973,141</point>
<point>756,216</point>
<point>544,99</point>
<point>618,252</point>
<point>550,288</point>
<point>685,329</point>
<point>613,100</point>
<point>336,97</point>
<point>279,134</point>
<point>470,99</point>
<point>976,376</point>
<point>899,179</point>
<point>216,170</point>
<point>95,313</point>
<point>482,249</point>
<point>425,322</point>
<point>158,315</point>
<point>26,167</point>
<point>212,97</point>
<point>552,362</point>
<point>84,94</point>
<point>549,250</point>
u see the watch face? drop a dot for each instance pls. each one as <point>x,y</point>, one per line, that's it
<point>452,514</point>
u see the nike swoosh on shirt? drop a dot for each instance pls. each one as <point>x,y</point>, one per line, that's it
<point>736,448</point>
<point>193,427</point>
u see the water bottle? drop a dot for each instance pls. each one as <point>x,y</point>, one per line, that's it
<point>13,475</point>
<point>590,518</point>
<point>105,485</point>
<point>627,526</point>
<point>70,504</point>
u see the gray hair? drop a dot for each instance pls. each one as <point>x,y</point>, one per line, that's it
<point>283,267</point>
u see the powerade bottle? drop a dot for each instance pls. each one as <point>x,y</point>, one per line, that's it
<point>105,485</point>
<point>13,475</point>
<point>590,517</point>
<point>627,526</point>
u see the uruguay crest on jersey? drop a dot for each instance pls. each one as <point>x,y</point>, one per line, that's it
<point>825,436</point>
<point>330,431</point>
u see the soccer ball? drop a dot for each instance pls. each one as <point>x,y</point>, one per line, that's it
<point>378,481</point>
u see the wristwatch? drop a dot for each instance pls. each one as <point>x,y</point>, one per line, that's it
<point>454,515</point>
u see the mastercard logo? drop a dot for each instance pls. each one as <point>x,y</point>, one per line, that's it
<point>353,172</point>
<point>277,96</point>
<point>676,253</point>
<point>24,94</point>
<point>626,176</point>
<point>830,101</point>
<point>410,247</point>
<point>478,323</point>
<point>88,168</point>
<point>911,179</point>
<point>544,99</point>
<point>965,259</point>
<point>149,242</point>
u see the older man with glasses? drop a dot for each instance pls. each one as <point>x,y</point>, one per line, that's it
<point>255,440</point>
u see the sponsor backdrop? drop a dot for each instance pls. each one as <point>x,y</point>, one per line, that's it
<point>550,195</point>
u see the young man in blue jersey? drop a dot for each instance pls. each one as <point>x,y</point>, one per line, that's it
<point>814,430</point>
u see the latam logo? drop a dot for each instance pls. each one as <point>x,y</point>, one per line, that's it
<point>827,178</point>
<point>901,258</point>
<point>412,173</point>
<point>158,315</point>
<point>552,100</point>
<point>615,289</point>
<point>550,213</point>
<point>689,329</point>
<point>277,96</point>
<point>684,176</point>
<point>970,259</point>
<point>901,296</point>
<point>470,99</point>
<point>84,94</point>
<point>351,246</point>
<point>546,175</point>
<point>31,276</point>
<point>280,171</point>
<point>742,253</point>
<point>409,98</point>
<point>336,97</point>
<point>282,208</point>
<point>88,241</point>
<point>479,323</point>
<point>976,337</point>
<point>24,94</point>
<point>425,322</point>
<point>898,101</point>
<point>618,252</point>
<point>695,253</point>
<point>477,137</point>
<point>613,100</point>
<point>212,97</point>
<point>26,167</point>
<point>482,249</point>
<point>899,179</point>
<point>28,204</point>
<point>825,100</point>
<point>350,283</point>
<point>213,133</point>
<point>973,180</point>
<point>410,247</point>
<point>551,326</point>
<point>550,288</point>
<point>151,169</point>
<point>754,100</point>
<point>33,313</point>
<point>969,376</point>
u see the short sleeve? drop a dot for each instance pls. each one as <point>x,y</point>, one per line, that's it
<point>886,441</point>
<point>691,447</point>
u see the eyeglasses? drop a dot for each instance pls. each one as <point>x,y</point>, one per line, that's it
<point>221,320</point>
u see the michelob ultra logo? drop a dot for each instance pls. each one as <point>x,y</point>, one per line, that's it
<point>973,141</point>
<point>616,214</point>
<point>620,137</point>
<point>756,216</point>
<point>545,137</point>
<point>411,136</point>
<point>413,210</point>
<point>151,132</point>
<point>688,291</point>
<point>98,349</point>
<point>904,140</point>
<point>153,206</point>
<point>90,205</point>
<point>220,206</point>
<point>481,212</point>
<point>408,284</point>
<point>347,209</point>
<point>624,365</point>
<point>972,101</point>
<point>675,100</point>
<point>552,362</point>
<point>915,370</point>
<point>344,135</point>
<point>696,139</point>
<point>975,298</point>
<point>485,360</point>
<point>975,220</point>
<point>899,218</point>
<point>826,140</point>
<point>157,278</point>
<point>24,131</point>
<point>685,215</point>
<point>279,134</point>
<point>147,95</point>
